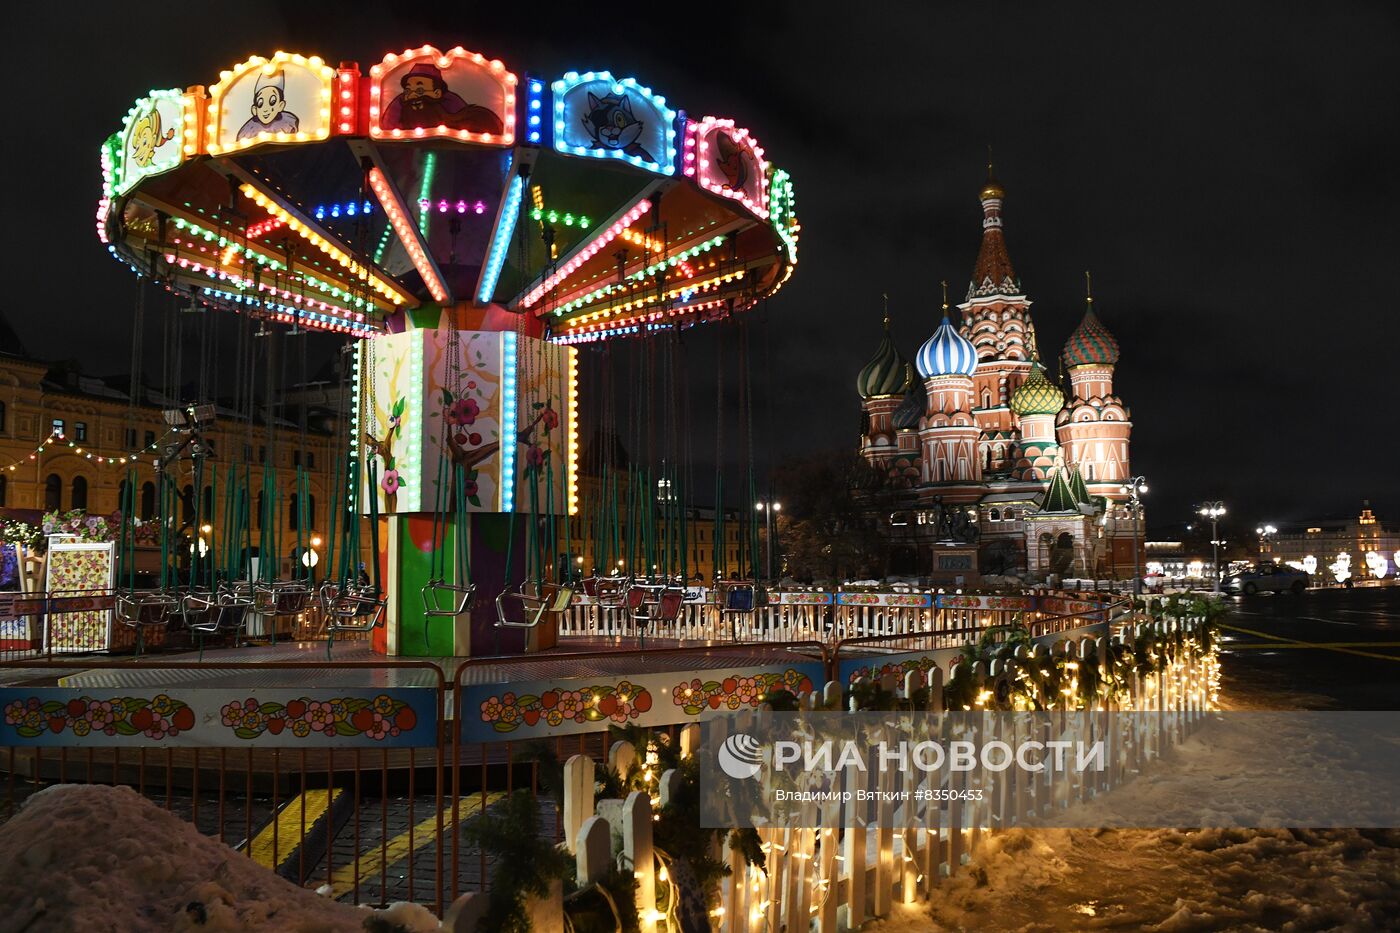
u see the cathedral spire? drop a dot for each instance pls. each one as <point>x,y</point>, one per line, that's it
<point>993,274</point>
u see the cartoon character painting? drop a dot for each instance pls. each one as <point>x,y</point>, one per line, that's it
<point>147,137</point>
<point>270,113</point>
<point>427,102</point>
<point>611,125</point>
<point>733,161</point>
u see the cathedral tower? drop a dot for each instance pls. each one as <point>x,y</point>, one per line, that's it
<point>947,361</point>
<point>882,385</point>
<point>1094,426</point>
<point>1036,403</point>
<point>996,319</point>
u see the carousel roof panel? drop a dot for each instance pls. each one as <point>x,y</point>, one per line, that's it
<point>349,195</point>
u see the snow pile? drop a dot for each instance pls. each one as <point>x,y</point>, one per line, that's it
<point>92,857</point>
<point>1171,881</point>
<point>1177,880</point>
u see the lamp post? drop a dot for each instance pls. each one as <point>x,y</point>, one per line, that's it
<point>1264,531</point>
<point>1135,489</point>
<point>1213,510</point>
<point>769,509</point>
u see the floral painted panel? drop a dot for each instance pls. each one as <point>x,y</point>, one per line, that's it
<point>565,706</point>
<point>77,568</point>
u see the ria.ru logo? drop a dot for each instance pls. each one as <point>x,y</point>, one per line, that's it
<point>739,756</point>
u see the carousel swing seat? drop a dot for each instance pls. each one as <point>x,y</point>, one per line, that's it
<point>355,610</point>
<point>141,609</point>
<point>219,612</point>
<point>606,594</point>
<point>654,605</point>
<point>447,599</point>
<point>739,599</point>
<point>535,605</point>
<point>280,599</point>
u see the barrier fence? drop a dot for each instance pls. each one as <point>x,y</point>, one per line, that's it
<point>830,874</point>
<point>359,778</point>
<point>63,623</point>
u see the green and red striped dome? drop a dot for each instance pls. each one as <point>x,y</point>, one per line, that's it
<point>1091,344</point>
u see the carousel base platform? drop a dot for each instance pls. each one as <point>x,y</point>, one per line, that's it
<point>354,664</point>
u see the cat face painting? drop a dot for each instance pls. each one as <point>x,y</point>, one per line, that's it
<point>611,125</point>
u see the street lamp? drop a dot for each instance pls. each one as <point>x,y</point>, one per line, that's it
<point>1135,489</point>
<point>1213,510</point>
<point>769,509</point>
<point>1264,531</point>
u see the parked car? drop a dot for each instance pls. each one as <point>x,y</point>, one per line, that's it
<point>1270,578</point>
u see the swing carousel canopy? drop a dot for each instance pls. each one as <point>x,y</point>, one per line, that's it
<point>343,200</point>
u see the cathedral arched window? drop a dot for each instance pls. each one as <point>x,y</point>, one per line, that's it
<point>1009,515</point>
<point>995,515</point>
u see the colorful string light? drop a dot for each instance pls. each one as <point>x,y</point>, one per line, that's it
<point>86,452</point>
<point>444,206</point>
<point>582,221</point>
<point>407,235</point>
<point>390,290</point>
<point>337,209</point>
<point>500,239</point>
<point>586,253</point>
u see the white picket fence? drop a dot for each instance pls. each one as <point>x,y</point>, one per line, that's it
<point>793,623</point>
<point>832,879</point>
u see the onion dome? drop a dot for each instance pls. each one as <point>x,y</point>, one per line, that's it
<point>906,416</point>
<point>1091,344</point>
<point>886,372</point>
<point>993,188</point>
<point>1037,395</point>
<point>946,353</point>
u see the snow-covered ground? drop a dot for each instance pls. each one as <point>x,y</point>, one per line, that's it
<point>1174,880</point>
<point>80,858</point>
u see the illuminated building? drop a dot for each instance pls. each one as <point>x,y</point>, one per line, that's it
<point>66,440</point>
<point>1325,540</point>
<point>1030,469</point>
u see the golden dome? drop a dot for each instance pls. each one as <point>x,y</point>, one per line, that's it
<point>993,188</point>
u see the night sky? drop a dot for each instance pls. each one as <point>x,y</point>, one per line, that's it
<point>1227,172</point>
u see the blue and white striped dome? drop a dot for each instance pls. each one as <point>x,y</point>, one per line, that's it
<point>946,353</point>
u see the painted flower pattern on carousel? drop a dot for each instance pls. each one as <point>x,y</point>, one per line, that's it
<point>986,602</point>
<point>899,668</point>
<point>462,412</point>
<point>616,702</point>
<point>378,718</point>
<point>155,718</point>
<point>736,691</point>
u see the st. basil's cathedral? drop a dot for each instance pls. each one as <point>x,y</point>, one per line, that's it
<point>992,465</point>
